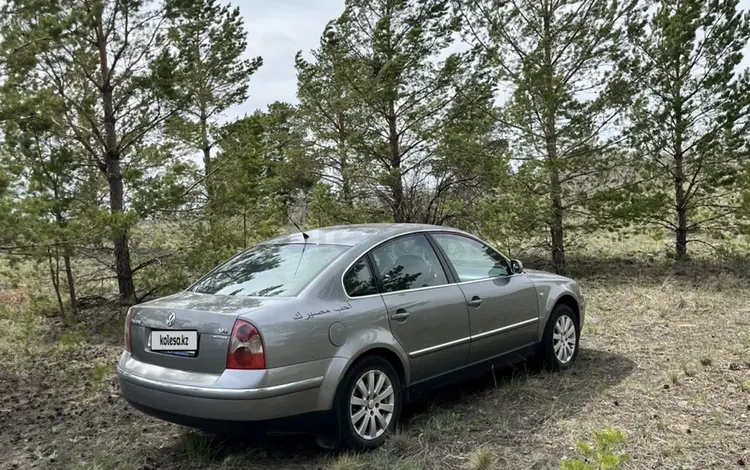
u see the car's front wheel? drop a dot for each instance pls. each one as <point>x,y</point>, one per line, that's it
<point>559,348</point>
<point>368,403</point>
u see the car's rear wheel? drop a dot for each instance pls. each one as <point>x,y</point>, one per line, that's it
<point>368,403</point>
<point>559,348</point>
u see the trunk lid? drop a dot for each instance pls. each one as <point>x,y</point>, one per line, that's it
<point>205,319</point>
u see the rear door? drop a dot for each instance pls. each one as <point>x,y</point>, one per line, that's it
<point>427,313</point>
<point>503,307</point>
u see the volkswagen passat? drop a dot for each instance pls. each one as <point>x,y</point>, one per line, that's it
<point>345,324</point>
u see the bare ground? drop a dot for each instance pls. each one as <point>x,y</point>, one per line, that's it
<point>665,358</point>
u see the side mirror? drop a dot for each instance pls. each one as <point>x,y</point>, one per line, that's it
<point>516,266</point>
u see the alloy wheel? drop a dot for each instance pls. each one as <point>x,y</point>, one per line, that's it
<point>564,339</point>
<point>372,404</point>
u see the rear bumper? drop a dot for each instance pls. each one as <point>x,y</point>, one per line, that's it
<point>234,396</point>
<point>316,422</point>
<point>217,392</point>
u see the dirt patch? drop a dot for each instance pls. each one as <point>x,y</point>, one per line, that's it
<point>665,359</point>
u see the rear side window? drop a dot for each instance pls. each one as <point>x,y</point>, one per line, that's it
<point>358,280</point>
<point>408,263</point>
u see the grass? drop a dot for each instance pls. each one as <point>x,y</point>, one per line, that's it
<point>201,449</point>
<point>673,449</point>
<point>689,370</point>
<point>674,376</point>
<point>346,461</point>
<point>481,459</point>
<point>665,358</point>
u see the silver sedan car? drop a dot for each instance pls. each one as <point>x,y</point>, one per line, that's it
<point>333,331</point>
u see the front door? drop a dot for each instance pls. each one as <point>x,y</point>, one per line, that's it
<point>503,307</point>
<point>427,314</point>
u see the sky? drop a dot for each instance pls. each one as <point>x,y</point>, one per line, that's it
<point>276,30</point>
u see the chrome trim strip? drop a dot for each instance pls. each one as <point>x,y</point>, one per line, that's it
<point>457,342</point>
<point>450,284</point>
<point>505,328</point>
<point>440,346</point>
<point>220,393</point>
<point>485,279</point>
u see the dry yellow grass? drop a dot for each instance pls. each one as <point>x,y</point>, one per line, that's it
<point>646,322</point>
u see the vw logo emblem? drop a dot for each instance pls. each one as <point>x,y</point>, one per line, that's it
<point>171,318</point>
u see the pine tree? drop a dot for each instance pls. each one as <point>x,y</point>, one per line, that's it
<point>47,207</point>
<point>96,57</point>
<point>208,42</point>
<point>329,111</point>
<point>690,121</point>
<point>392,59</point>
<point>556,64</point>
<point>261,171</point>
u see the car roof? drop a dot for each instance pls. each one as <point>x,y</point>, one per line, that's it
<point>350,235</point>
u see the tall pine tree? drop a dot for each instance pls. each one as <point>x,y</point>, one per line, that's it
<point>96,57</point>
<point>208,42</point>
<point>398,74</point>
<point>690,121</point>
<point>332,116</point>
<point>558,61</point>
<point>48,205</point>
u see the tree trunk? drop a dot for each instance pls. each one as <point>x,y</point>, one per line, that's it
<point>206,149</point>
<point>556,223</point>
<point>203,122</point>
<point>346,189</point>
<point>54,271</point>
<point>680,247</point>
<point>244,226</point>
<point>557,246</point>
<point>397,185</point>
<point>71,285</point>
<point>680,203</point>
<point>114,173</point>
<point>62,222</point>
<point>122,249</point>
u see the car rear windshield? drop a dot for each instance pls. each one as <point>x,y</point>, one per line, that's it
<point>269,270</point>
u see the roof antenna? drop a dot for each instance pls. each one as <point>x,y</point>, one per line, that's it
<point>289,218</point>
<point>304,235</point>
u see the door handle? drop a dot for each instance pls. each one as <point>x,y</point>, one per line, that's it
<point>400,315</point>
<point>475,301</point>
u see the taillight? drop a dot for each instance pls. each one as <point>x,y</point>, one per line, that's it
<point>245,347</point>
<point>127,331</point>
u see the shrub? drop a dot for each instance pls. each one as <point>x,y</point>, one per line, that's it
<point>600,455</point>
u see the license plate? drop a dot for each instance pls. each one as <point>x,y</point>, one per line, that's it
<point>174,340</point>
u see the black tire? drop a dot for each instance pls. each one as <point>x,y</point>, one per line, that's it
<point>349,438</point>
<point>546,353</point>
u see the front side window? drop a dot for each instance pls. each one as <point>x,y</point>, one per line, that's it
<point>358,280</point>
<point>269,270</point>
<point>408,263</point>
<point>471,259</point>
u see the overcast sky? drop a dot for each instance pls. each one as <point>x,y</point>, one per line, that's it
<point>277,29</point>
